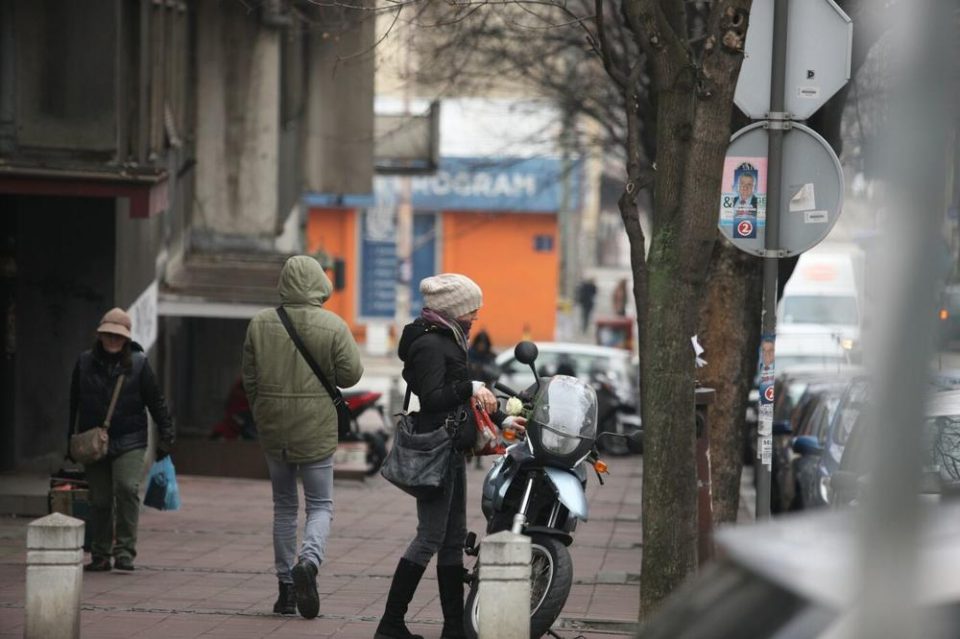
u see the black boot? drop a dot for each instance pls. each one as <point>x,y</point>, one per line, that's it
<point>405,581</point>
<point>450,580</point>
<point>305,588</point>
<point>286,600</point>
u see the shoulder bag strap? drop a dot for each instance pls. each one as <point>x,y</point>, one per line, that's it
<point>113,403</point>
<point>291,331</point>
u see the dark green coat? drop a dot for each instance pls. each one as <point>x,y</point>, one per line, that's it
<point>294,414</point>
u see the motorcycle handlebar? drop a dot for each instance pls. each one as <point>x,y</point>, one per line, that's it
<point>506,389</point>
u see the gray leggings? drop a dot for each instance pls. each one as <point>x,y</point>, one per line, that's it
<point>442,521</point>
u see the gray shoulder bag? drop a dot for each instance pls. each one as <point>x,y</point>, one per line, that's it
<point>418,462</point>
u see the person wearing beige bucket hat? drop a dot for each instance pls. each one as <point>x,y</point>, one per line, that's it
<point>116,361</point>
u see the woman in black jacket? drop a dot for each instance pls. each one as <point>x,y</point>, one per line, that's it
<point>114,481</point>
<point>433,349</point>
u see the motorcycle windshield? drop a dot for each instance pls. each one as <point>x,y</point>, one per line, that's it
<point>566,411</point>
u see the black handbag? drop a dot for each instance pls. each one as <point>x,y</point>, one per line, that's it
<point>343,413</point>
<point>462,426</point>
<point>418,462</point>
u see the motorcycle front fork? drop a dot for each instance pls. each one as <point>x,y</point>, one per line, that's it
<point>520,519</point>
<point>472,548</point>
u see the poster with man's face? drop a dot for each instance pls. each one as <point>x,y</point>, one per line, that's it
<point>743,203</point>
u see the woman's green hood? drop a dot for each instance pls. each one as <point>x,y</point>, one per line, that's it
<point>302,281</point>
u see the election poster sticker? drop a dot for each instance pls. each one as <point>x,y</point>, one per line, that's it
<point>743,201</point>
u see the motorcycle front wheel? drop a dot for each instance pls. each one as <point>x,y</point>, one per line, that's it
<point>551,575</point>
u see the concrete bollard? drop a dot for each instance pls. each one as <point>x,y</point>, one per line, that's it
<point>54,577</point>
<point>504,598</point>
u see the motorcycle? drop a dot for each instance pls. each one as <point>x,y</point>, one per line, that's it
<point>538,489</point>
<point>358,402</point>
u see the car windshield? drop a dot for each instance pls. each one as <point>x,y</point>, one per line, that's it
<point>579,365</point>
<point>819,309</point>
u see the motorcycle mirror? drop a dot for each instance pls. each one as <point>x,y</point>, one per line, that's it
<point>526,353</point>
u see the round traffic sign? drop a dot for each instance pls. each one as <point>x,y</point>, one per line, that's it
<point>811,190</point>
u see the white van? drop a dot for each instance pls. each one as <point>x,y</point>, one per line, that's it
<point>818,318</point>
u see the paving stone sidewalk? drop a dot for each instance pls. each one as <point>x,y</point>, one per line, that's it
<point>206,570</point>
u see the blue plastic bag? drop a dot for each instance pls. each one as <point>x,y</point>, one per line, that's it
<point>162,490</point>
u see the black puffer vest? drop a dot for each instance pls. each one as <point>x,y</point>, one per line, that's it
<point>98,378</point>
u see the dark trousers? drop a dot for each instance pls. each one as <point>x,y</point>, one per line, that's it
<point>114,484</point>
<point>442,521</point>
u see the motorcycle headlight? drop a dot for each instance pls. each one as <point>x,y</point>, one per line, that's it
<point>557,443</point>
<point>824,487</point>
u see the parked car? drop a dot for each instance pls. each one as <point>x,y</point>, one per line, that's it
<point>578,360</point>
<point>801,397</point>
<point>824,452</point>
<point>811,418</point>
<point>941,450</point>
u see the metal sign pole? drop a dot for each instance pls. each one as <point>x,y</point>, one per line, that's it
<point>778,121</point>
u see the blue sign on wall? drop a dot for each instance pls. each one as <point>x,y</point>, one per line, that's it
<point>378,270</point>
<point>494,184</point>
<point>424,260</point>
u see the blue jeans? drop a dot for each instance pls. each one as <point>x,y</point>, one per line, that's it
<point>317,480</point>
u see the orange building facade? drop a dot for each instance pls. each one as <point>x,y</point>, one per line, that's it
<point>496,223</point>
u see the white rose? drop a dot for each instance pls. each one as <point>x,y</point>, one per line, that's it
<point>514,406</point>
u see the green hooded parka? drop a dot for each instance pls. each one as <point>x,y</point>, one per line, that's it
<point>294,414</point>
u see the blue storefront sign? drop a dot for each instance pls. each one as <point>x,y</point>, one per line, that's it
<point>533,185</point>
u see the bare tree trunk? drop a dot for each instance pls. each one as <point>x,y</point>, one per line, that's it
<point>729,333</point>
<point>694,105</point>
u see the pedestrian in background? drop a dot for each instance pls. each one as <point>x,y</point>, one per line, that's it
<point>433,349</point>
<point>114,480</point>
<point>481,359</point>
<point>620,298</point>
<point>482,362</point>
<point>586,293</point>
<point>297,421</point>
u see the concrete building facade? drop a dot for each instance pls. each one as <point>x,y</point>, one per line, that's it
<point>139,140</point>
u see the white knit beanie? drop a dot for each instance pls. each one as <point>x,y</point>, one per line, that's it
<point>452,294</point>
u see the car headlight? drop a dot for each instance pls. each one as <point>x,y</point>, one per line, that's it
<point>824,487</point>
<point>847,344</point>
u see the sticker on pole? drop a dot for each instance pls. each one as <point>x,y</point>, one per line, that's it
<point>743,203</point>
<point>765,450</point>
<point>766,393</point>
